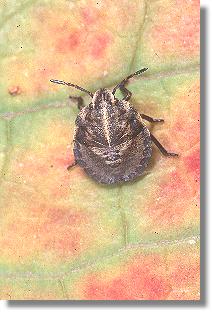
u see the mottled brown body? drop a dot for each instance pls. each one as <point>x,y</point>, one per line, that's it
<point>111,142</point>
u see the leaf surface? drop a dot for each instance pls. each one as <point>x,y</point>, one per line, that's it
<point>62,235</point>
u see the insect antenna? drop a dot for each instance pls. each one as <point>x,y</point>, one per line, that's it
<point>124,81</point>
<point>71,85</point>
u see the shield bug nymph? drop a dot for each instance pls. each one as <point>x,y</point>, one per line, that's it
<point>111,141</point>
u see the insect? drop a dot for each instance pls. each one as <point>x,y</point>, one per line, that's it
<point>111,141</point>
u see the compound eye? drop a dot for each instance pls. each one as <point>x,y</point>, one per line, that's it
<point>134,123</point>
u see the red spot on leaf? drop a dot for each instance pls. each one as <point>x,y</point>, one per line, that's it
<point>138,280</point>
<point>89,15</point>
<point>14,90</point>
<point>60,230</point>
<point>184,275</point>
<point>192,162</point>
<point>167,205</point>
<point>147,277</point>
<point>172,185</point>
<point>69,42</point>
<point>62,216</point>
<point>175,32</point>
<point>99,45</point>
<point>186,127</point>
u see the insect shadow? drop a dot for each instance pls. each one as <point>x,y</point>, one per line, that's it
<point>111,140</point>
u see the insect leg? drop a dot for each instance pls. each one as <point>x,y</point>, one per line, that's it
<point>72,165</point>
<point>79,101</point>
<point>127,94</point>
<point>161,148</point>
<point>150,119</point>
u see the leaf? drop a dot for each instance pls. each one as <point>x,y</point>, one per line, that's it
<point>62,235</point>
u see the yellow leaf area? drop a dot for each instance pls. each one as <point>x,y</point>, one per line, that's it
<point>62,235</point>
